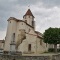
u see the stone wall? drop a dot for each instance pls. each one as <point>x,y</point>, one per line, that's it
<point>17,57</point>
<point>56,57</point>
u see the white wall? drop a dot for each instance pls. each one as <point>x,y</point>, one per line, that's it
<point>29,19</point>
<point>10,30</point>
<point>31,37</point>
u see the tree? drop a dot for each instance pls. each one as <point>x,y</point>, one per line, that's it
<point>52,36</point>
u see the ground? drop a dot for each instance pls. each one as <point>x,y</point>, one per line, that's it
<point>42,54</point>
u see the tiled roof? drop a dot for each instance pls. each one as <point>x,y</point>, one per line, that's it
<point>29,13</point>
<point>40,35</point>
<point>2,41</point>
<point>18,20</point>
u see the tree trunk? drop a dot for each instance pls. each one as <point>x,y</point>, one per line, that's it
<point>59,46</point>
<point>55,48</point>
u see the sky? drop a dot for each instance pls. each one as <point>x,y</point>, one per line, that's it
<point>46,12</point>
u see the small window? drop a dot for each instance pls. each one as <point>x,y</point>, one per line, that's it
<point>29,47</point>
<point>26,21</point>
<point>40,42</point>
<point>13,36</point>
<point>33,23</point>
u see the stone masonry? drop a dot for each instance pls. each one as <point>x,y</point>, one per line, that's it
<point>18,57</point>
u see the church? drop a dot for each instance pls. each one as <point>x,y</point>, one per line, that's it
<point>22,37</point>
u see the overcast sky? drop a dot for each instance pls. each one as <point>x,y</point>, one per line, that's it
<point>46,12</point>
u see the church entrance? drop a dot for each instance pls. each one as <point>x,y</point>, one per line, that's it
<point>29,47</point>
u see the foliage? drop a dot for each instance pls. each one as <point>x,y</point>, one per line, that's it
<point>52,50</point>
<point>52,36</point>
<point>58,50</point>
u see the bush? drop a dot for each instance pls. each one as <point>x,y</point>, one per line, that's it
<point>58,50</point>
<point>52,50</point>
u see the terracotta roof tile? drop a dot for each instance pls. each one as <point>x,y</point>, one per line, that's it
<point>29,13</point>
<point>18,20</point>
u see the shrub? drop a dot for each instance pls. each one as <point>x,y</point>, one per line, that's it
<point>58,50</point>
<point>52,50</point>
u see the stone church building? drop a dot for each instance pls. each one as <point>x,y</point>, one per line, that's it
<point>22,37</point>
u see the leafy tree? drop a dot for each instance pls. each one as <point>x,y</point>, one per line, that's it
<point>52,36</point>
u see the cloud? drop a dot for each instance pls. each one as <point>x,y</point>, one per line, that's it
<point>46,17</point>
<point>2,34</point>
<point>49,18</point>
<point>51,3</point>
<point>46,12</point>
<point>27,2</point>
<point>46,3</point>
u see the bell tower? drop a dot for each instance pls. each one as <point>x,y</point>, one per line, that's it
<point>29,18</point>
